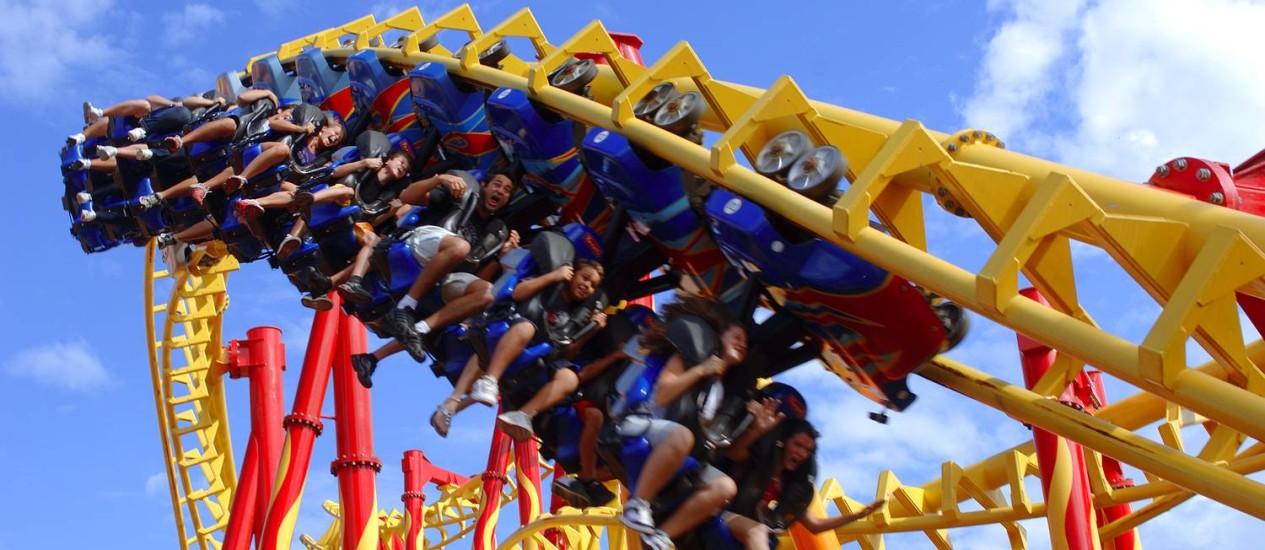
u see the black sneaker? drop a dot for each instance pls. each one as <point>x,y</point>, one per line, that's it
<point>412,342</point>
<point>398,322</point>
<point>319,302</point>
<point>315,281</point>
<point>364,364</point>
<point>572,491</point>
<point>599,495</point>
<point>354,292</point>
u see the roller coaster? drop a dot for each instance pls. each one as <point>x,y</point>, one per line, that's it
<point>760,198</point>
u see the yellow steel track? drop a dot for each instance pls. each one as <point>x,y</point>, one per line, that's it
<point>1190,257</point>
<point>184,336</point>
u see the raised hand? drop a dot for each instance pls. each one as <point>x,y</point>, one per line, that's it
<point>510,243</point>
<point>372,163</point>
<point>456,186</point>
<point>765,415</point>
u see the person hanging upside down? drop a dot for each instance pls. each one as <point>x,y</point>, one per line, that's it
<point>97,119</point>
<point>314,154</point>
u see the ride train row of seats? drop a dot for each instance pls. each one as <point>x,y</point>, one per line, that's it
<point>588,191</point>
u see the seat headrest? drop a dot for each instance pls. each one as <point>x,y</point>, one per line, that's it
<point>693,337</point>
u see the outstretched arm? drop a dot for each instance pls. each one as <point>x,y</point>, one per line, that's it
<point>348,168</point>
<point>816,525</point>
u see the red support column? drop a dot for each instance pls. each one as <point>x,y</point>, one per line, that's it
<point>303,425</point>
<point>261,358</point>
<point>1064,481</point>
<point>1111,468</point>
<point>241,517</point>
<point>554,536</point>
<point>490,501</point>
<point>356,467</point>
<point>414,465</point>
<point>527,470</point>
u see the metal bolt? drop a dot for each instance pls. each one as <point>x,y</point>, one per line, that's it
<point>991,137</point>
<point>1180,164</point>
<point>1162,171</point>
<point>949,205</point>
<point>964,138</point>
<point>1001,145</point>
<point>1203,174</point>
<point>942,191</point>
<point>1216,197</point>
<point>977,134</point>
<point>953,148</point>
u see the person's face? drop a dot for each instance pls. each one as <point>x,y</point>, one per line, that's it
<point>395,168</point>
<point>798,450</point>
<point>735,338</point>
<point>496,192</point>
<point>331,135</point>
<point>584,283</point>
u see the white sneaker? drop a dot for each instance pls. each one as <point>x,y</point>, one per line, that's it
<point>79,165</point>
<point>90,113</point>
<point>149,201</point>
<point>75,139</point>
<point>145,154</point>
<point>87,215</point>
<point>165,239</point>
<point>136,134</point>
<point>105,152</point>
<point>485,391</point>
<point>83,197</point>
<point>636,516</point>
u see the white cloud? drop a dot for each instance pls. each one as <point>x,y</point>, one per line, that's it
<point>156,484</point>
<point>67,365</point>
<point>190,25</point>
<point>1125,84</point>
<point>44,44</point>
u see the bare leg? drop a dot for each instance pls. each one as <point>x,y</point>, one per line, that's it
<point>132,107</point>
<point>360,266</point>
<point>664,460</point>
<point>464,382</point>
<point>701,505</point>
<point>452,251</point>
<point>333,193</point>
<point>752,534</point>
<point>508,349</point>
<point>478,297</point>
<point>564,383</point>
<point>280,199</point>
<point>197,232</point>
<point>390,348</point>
<point>273,153</point>
<point>158,102</point>
<point>223,128</point>
<point>97,129</point>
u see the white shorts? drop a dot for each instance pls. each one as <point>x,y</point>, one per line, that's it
<point>424,241</point>
<point>655,430</point>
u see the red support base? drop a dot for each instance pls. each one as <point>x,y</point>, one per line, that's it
<point>356,467</point>
<point>490,502</point>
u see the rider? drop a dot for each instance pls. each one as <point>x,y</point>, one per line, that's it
<point>671,443</point>
<point>465,286</point>
<point>577,286</point>
<point>775,478</point>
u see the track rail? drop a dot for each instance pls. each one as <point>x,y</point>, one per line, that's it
<point>1190,257</point>
<point>184,346</point>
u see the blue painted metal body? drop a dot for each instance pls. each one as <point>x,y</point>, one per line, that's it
<point>457,114</point>
<point>316,79</point>
<point>268,74</point>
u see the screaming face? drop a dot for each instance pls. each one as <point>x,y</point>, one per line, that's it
<point>497,192</point>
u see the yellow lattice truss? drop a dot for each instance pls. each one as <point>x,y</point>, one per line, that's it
<point>1190,257</point>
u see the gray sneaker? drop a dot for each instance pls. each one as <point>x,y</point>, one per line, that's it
<point>636,516</point>
<point>516,424</point>
<point>149,201</point>
<point>106,152</point>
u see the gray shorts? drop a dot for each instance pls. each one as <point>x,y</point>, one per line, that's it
<point>454,285</point>
<point>639,425</point>
<point>424,241</point>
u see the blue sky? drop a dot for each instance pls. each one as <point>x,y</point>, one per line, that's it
<point>1115,86</point>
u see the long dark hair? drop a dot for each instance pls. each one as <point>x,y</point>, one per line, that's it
<point>716,314</point>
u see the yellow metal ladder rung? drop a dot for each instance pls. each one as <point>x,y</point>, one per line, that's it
<point>184,318</point>
<point>180,342</point>
<point>162,274</point>
<point>192,369</point>
<point>192,396</point>
<point>222,523</point>
<point>200,292</point>
<point>186,430</point>
<point>158,308</point>
<point>196,460</point>
<point>202,494</point>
